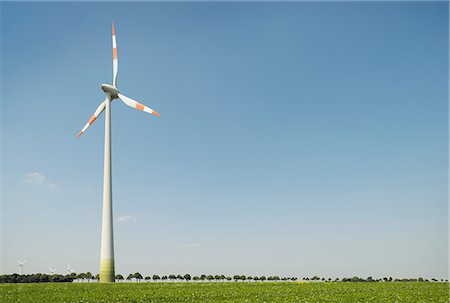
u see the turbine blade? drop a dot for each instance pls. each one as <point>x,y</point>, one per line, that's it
<point>115,60</point>
<point>132,103</point>
<point>97,113</point>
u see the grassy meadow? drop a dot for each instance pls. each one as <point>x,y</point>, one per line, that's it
<point>299,292</point>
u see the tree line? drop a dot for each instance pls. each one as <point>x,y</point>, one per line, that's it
<point>37,278</point>
<point>209,278</point>
<point>137,277</point>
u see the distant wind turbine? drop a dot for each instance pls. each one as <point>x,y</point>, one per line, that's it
<point>21,264</point>
<point>107,245</point>
<point>52,271</point>
<point>70,270</point>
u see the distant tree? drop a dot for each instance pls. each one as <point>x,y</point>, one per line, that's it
<point>236,278</point>
<point>209,278</point>
<point>196,278</point>
<point>137,276</point>
<point>130,276</point>
<point>203,277</point>
<point>156,278</point>
<point>180,277</point>
<point>217,277</point>
<point>164,278</point>
<point>172,277</point>
<point>56,278</point>
<point>187,277</point>
<point>228,278</point>
<point>118,278</point>
<point>89,276</point>
<point>147,278</point>
<point>81,276</point>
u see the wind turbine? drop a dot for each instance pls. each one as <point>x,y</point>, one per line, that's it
<point>21,265</point>
<point>70,270</point>
<point>52,271</point>
<point>107,245</point>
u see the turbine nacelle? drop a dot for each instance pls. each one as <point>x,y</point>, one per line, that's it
<point>110,90</point>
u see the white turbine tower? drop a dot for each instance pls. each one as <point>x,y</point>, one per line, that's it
<point>107,245</point>
<point>21,264</point>
<point>52,270</point>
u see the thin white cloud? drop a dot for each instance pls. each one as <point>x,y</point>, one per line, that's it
<point>34,178</point>
<point>52,186</point>
<point>39,179</point>
<point>126,218</point>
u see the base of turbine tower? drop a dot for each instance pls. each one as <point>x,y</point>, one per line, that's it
<point>107,274</point>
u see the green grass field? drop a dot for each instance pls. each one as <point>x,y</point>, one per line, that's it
<point>397,292</point>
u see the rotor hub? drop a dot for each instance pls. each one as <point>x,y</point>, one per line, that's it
<point>111,91</point>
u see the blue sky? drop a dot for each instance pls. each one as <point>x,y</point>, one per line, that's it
<point>295,138</point>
